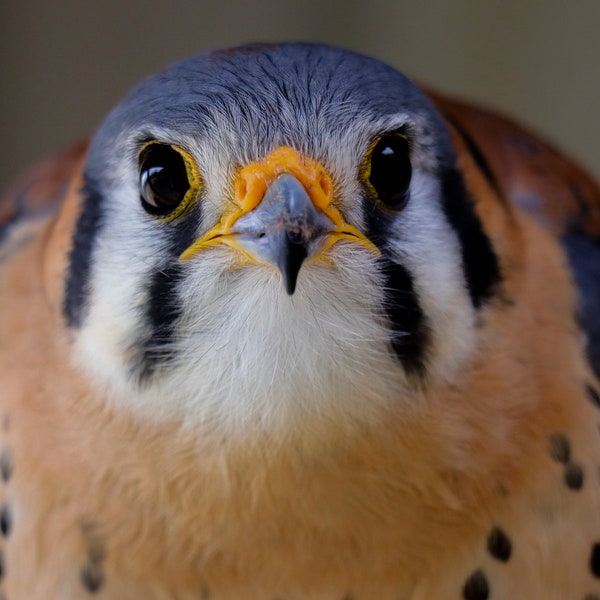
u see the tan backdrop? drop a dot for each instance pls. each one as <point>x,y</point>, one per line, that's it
<point>65,63</point>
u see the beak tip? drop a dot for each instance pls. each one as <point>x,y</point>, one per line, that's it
<point>291,257</point>
<point>290,287</point>
<point>290,279</point>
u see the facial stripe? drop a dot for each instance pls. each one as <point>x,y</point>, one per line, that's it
<point>164,302</point>
<point>477,155</point>
<point>163,310</point>
<point>88,225</point>
<point>480,263</point>
<point>408,324</point>
<point>410,331</point>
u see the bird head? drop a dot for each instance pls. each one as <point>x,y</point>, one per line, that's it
<point>271,233</point>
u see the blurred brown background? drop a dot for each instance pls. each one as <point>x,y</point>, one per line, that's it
<point>65,63</point>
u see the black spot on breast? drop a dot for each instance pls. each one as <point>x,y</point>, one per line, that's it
<point>560,448</point>
<point>595,560</point>
<point>574,476</point>
<point>5,521</point>
<point>6,465</point>
<point>593,395</point>
<point>92,578</point>
<point>476,587</point>
<point>592,597</point>
<point>499,545</point>
<point>96,550</point>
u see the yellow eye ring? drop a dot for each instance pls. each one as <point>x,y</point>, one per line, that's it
<point>386,170</point>
<point>169,180</point>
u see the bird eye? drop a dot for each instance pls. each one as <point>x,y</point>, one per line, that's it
<point>391,171</point>
<point>164,180</point>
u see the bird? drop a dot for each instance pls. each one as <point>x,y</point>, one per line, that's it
<point>293,327</point>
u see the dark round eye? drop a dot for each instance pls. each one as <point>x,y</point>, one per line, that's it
<point>163,179</point>
<point>391,170</point>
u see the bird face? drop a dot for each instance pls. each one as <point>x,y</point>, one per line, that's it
<point>273,233</point>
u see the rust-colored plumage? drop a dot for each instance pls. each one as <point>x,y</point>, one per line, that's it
<point>528,171</point>
<point>484,485</point>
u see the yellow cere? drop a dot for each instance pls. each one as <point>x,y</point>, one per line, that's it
<point>252,183</point>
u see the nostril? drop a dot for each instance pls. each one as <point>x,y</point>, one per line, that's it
<point>325,185</point>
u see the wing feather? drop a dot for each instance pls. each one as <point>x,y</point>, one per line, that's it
<point>530,172</point>
<point>550,187</point>
<point>42,189</point>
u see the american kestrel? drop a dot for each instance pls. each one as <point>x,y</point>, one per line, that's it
<point>293,329</point>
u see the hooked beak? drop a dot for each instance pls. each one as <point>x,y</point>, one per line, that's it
<point>284,230</point>
<point>284,216</point>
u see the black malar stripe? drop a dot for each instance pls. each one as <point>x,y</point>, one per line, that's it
<point>162,312</point>
<point>410,333</point>
<point>164,306</point>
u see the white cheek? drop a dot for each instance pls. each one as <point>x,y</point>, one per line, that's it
<point>248,356</point>
<point>428,246</point>
<point>122,265</point>
<point>251,354</point>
